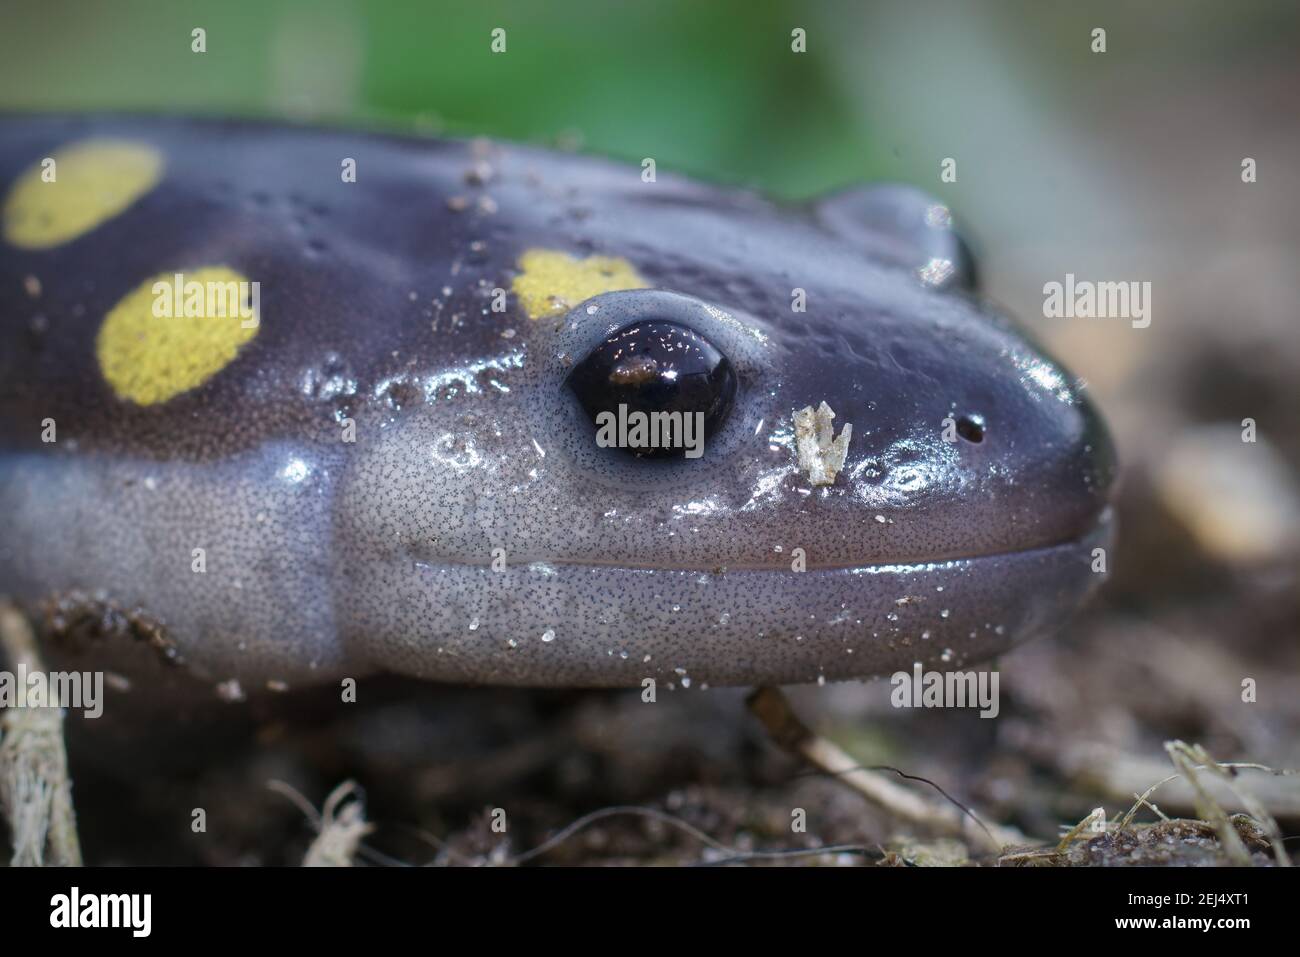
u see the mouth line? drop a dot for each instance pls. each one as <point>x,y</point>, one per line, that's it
<point>1102,520</point>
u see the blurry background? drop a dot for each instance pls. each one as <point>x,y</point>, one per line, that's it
<point>1115,167</point>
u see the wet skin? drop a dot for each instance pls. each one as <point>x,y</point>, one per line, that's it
<point>964,520</point>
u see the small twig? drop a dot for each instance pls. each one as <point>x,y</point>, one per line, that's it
<point>340,826</point>
<point>298,800</point>
<point>858,850</point>
<point>773,709</point>
<point>1119,775</point>
<point>588,819</point>
<point>1193,758</point>
<point>35,790</point>
<point>1031,855</point>
<point>1143,802</point>
<point>734,855</point>
<point>1206,806</point>
<point>1088,822</point>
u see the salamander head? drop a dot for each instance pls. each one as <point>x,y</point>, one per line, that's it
<point>566,547</point>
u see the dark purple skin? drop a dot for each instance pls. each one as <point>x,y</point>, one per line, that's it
<point>329,558</point>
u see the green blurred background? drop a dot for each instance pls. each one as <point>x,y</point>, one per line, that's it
<point>710,88</point>
<point>707,87</point>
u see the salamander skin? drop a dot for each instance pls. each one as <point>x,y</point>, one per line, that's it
<point>472,530</point>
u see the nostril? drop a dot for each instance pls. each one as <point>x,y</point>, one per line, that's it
<point>971,428</point>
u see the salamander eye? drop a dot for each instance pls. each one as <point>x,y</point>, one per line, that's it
<point>655,388</point>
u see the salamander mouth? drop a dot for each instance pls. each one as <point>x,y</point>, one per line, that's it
<point>609,625</point>
<point>1102,523</point>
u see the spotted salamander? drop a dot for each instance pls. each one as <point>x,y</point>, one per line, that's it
<point>374,448</point>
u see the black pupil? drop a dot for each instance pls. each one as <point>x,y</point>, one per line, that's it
<point>971,428</point>
<point>656,367</point>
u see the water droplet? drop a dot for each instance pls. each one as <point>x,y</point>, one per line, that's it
<point>328,379</point>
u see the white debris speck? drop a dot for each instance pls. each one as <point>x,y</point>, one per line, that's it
<point>821,454</point>
<point>473,625</point>
<point>548,634</point>
<point>936,272</point>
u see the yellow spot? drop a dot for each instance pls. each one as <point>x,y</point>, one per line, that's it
<point>551,282</point>
<point>93,181</point>
<point>149,358</point>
